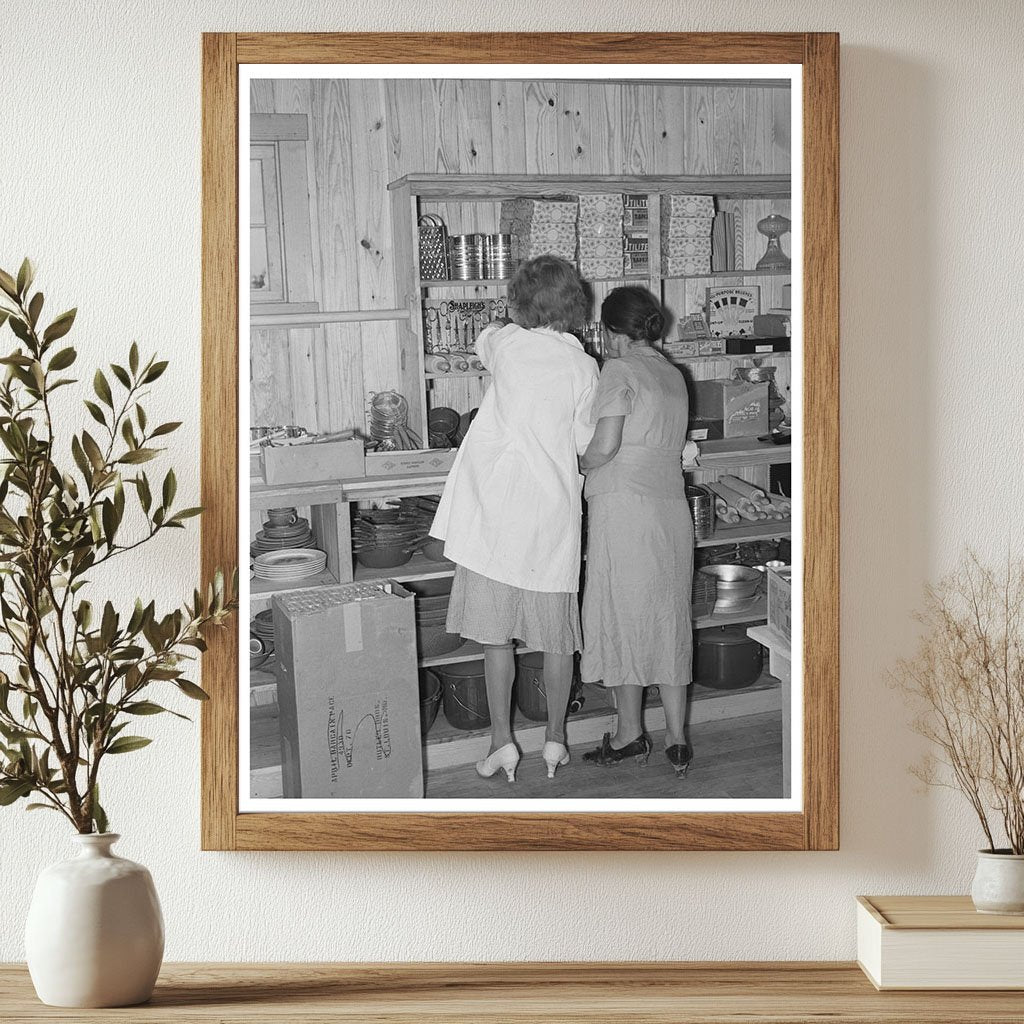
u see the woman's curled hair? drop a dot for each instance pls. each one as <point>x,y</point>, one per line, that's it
<point>547,292</point>
<point>634,312</point>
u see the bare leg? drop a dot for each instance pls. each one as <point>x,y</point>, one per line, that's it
<point>673,699</point>
<point>499,672</point>
<point>628,725</point>
<point>557,684</point>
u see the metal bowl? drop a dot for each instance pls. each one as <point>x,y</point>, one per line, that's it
<point>735,583</point>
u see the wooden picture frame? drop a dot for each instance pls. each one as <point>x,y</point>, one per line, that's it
<point>816,826</point>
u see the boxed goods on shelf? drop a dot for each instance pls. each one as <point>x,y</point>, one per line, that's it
<point>400,463</point>
<point>348,692</point>
<point>728,408</point>
<point>309,463</point>
<point>686,234</point>
<point>780,591</point>
<point>600,235</point>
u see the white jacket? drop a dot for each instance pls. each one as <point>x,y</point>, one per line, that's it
<point>511,506</point>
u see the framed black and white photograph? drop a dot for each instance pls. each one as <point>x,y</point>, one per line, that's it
<point>532,473</point>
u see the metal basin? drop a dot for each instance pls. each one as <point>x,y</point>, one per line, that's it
<point>735,583</point>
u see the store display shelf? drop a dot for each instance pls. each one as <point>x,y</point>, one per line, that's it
<point>264,588</point>
<point>473,283</point>
<point>724,355</point>
<point>755,611</point>
<point>452,374</point>
<point>726,273</point>
<point>417,568</point>
<point>745,531</point>
<point>741,451</point>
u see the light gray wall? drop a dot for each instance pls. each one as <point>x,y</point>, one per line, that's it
<point>99,182</point>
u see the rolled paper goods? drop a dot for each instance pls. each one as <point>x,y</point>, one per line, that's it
<point>744,506</point>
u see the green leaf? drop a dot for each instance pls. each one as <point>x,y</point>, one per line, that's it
<point>144,707</point>
<point>165,428</point>
<point>121,374</point>
<point>128,433</point>
<point>63,359</point>
<point>41,807</point>
<point>26,274</point>
<point>35,307</point>
<point>133,358</point>
<point>102,388</point>
<point>139,455</point>
<point>109,522</point>
<point>95,412</point>
<point>185,513</point>
<point>15,790</point>
<point>125,744</point>
<point>92,449</point>
<point>99,816</point>
<point>108,625</point>
<point>154,372</point>
<point>60,326</point>
<point>20,328</point>
<point>170,488</point>
<point>140,415</point>
<point>191,690</point>
<point>145,497</point>
<point>8,284</point>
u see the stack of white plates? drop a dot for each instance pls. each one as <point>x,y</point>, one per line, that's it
<point>289,564</point>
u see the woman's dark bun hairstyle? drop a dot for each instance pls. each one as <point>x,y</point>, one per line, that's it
<point>634,312</point>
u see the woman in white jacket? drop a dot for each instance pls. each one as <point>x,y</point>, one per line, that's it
<point>510,513</point>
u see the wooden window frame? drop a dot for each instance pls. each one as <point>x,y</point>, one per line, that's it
<point>816,827</point>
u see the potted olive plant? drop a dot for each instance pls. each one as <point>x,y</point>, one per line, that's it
<point>79,672</point>
<point>967,683</point>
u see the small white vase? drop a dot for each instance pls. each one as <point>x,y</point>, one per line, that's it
<point>95,934</point>
<point>999,883</point>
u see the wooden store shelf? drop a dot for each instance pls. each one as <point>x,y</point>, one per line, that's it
<point>492,282</point>
<point>741,451</point>
<point>455,374</point>
<point>802,992</point>
<point>745,531</point>
<point>456,188</point>
<point>264,588</point>
<point>755,611</point>
<point>726,273</point>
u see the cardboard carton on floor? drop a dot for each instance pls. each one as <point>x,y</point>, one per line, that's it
<point>348,691</point>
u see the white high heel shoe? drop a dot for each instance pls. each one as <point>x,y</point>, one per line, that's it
<point>506,757</point>
<point>555,755</point>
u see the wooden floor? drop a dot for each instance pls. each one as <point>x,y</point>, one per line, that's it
<point>736,758</point>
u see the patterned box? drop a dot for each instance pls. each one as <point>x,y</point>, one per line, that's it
<point>689,247</point>
<point>688,206</point>
<point>687,227</point>
<point>600,228</point>
<point>601,248</point>
<point>677,266</point>
<point>594,267</point>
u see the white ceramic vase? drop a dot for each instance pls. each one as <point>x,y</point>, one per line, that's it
<point>999,883</point>
<point>95,934</point>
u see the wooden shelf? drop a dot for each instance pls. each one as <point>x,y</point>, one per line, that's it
<point>741,451</point>
<point>491,282</point>
<point>417,568</point>
<point>744,532</point>
<point>726,273</point>
<point>754,611</point>
<point>455,374</point>
<point>460,188</point>
<point>264,588</point>
<point>469,651</point>
<point>803,992</point>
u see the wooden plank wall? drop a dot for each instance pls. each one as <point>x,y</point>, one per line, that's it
<point>365,133</point>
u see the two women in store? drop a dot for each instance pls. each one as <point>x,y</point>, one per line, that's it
<point>510,516</point>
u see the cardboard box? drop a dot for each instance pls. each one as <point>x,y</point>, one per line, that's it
<point>594,266</point>
<point>687,227</point>
<point>711,346</point>
<point>426,460</point>
<point>687,206</point>
<point>680,349</point>
<point>308,463</point>
<point>729,408</point>
<point>348,690</point>
<point>780,599</point>
<point>673,266</point>
<point>600,248</point>
<point>689,247</point>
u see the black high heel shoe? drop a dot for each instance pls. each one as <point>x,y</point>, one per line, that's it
<point>606,754</point>
<point>679,756</point>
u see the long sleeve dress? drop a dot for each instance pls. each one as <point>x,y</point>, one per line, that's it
<point>637,629</point>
